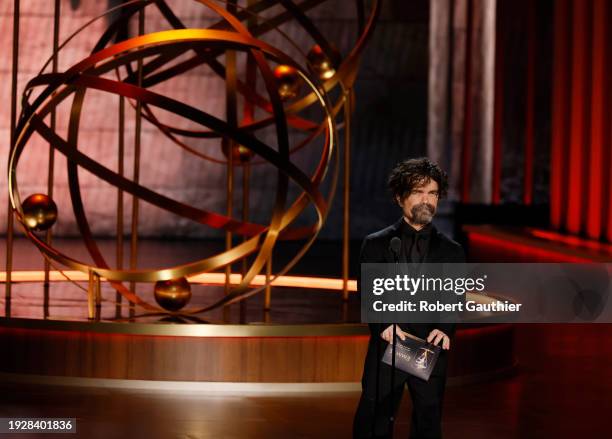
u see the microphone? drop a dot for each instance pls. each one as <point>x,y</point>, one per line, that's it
<point>395,245</point>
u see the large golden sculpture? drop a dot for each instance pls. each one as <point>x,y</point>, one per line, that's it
<point>292,86</point>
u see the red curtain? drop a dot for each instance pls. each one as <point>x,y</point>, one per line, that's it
<point>581,145</point>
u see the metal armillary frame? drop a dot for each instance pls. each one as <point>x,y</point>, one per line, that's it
<point>320,71</point>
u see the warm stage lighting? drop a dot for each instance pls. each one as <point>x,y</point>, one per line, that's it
<point>305,282</point>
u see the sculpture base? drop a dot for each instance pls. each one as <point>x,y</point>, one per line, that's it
<point>253,353</point>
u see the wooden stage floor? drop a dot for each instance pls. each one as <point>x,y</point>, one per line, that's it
<point>562,390</point>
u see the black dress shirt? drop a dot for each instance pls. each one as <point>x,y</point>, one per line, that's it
<point>415,242</point>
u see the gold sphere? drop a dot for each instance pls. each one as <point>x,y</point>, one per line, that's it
<point>39,212</point>
<point>288,80</point>
<point>320,64</point>
<point>172,294</point>
<point>240,153</point>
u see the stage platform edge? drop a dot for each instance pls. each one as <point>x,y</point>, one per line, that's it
<point>253,353</point>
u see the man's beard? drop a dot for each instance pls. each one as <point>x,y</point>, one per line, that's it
<point>422,213</point>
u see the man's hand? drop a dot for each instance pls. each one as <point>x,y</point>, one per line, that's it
<point>387,334</point>
<point>436,335</point>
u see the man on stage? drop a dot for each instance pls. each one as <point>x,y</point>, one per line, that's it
<point>416,186</point>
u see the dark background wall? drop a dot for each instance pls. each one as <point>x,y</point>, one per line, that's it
<point>524,32</point>
<point>390,120</point>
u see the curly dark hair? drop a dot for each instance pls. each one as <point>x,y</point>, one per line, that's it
<point>408,174</point>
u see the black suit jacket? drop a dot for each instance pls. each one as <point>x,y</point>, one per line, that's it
<point>376,248</point>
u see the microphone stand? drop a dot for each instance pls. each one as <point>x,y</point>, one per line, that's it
<point>377,335</point>
<point>392,390</point>
<point>378,360</point>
